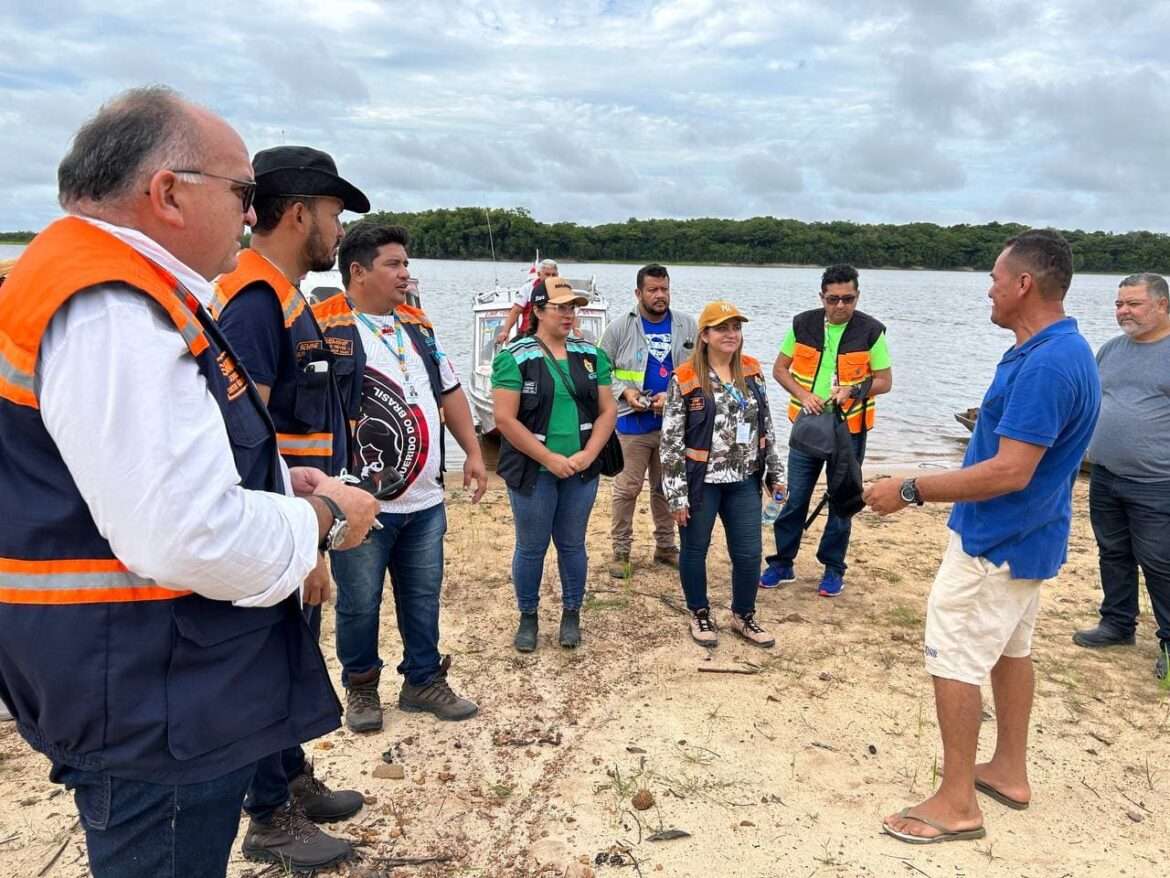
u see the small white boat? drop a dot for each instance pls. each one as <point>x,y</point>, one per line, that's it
<point>490,311</point>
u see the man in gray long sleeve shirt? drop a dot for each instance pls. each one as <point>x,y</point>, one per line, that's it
<point>1129,493</point>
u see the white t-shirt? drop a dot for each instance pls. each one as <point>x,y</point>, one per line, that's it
<point>407,406</point>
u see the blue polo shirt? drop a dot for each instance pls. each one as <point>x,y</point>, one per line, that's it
<point>1046,392</point>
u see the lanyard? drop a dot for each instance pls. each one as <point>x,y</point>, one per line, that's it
<point>380,332</point>
<point>735,394</point>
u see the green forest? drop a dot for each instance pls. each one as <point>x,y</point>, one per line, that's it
<point>462,233</point>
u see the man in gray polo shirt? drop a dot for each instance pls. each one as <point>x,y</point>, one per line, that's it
<point>1129,493</point>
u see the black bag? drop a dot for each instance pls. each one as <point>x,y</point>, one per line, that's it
<point>815,435</point>
<point>610,459</point>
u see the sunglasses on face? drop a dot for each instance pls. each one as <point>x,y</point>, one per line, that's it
<point>245,189</point>
<point>840,300</point>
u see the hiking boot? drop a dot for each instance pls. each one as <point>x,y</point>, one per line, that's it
<point>832,584</point>
<point>745,626</point>
<point>703,628</point>
<point>777,574</point>
<point>1102,635</point>
<point>290,839</point>
<point>525,639</point>
<point>620,566</point>
<point>1162,665</point>
<point>319,803</point>
<point>570,628</point>
<point>667,556</point>
<point>436,697</point>
<point>363,705</point>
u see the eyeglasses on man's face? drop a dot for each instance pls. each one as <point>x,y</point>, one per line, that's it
<point>245,189</point>
<point>840,300</point>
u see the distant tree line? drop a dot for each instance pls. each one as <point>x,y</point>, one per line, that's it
<point>462,233</point>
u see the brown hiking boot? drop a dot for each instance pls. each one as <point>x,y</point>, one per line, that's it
<point>703,628</point>
<point>290,839</point>
<point>363,705</point>
<point>319,803</point>
<point>620,566</point>
<point>745,626</point>
<point>436,697</point>
<point>667,556</point>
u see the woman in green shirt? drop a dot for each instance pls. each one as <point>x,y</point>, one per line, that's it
<point>555,413</point>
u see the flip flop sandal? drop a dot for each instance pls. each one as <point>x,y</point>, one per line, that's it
<point>988,790</point>
<point>944,834</point>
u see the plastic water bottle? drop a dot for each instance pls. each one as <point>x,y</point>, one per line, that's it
<point>772,507</point>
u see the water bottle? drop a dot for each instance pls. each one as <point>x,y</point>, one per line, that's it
<point>772,507</point>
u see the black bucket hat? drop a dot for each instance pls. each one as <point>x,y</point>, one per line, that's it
<point>302,170</point>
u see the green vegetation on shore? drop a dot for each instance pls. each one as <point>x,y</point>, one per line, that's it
<point>462,233</point>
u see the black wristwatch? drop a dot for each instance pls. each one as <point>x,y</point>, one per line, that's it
<point>910,492</point>
<point>337,530</point>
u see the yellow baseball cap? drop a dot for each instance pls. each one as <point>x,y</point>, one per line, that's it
<point>715,313</point>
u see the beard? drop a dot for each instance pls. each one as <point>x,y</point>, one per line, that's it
<point>321,258</point>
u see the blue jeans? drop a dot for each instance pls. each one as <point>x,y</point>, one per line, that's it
<point>803,472</point>
<point>1131,521</point>
<point>556,508</point>
<point>410,547</point>
<point>269,788</point>
<point>144,830</point>
<point>738,506</point>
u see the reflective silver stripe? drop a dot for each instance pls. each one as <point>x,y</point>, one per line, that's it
<point>588,426</point>
<point>190,331</point>
<point>14,376</point>
<point>540,436</point>
<point>325,445</point>
<point>62,581</point>
<point>291,308</point>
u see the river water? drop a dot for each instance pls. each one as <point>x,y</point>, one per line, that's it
<point>943,346</point>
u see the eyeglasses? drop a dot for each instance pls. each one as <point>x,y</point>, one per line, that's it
<point>245,189</point>
<point>561,309</point>
<point>839,300</point>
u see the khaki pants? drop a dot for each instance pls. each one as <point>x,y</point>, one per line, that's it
<point>641,453</point>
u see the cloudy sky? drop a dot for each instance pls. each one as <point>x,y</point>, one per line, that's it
<point>1054,113</point>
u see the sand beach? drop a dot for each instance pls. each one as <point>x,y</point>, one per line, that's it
<point>774,763</point>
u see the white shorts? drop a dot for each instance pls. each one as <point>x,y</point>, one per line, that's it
<point>976,613</point>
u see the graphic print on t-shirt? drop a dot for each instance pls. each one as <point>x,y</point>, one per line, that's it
<point>390,434</point>
<point>658,344</point>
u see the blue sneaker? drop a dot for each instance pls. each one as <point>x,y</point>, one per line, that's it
<point>832,584</point>
<point>777,574</point>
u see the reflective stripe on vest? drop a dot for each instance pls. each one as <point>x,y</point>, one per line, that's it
<point>76,581</point>
<point>250,268</point>
<point>698,455</point>
<point>16,383</point>
<point>629,376</point>
<point>305,444</point>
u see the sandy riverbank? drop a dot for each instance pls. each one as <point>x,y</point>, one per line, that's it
<point>785,771</point>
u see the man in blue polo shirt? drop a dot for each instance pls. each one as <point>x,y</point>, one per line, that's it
<point>1010,526</point>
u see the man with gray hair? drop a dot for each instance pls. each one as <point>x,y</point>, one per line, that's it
<point>521,306</point>
<point>152,550</point>
<point>1129,491</point>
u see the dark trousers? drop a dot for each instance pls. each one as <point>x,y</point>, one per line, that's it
<point>269,789</point>
<point>738,506</point>
<point>145,830</point>
<point>1131,521</point>
<point>803,472</point>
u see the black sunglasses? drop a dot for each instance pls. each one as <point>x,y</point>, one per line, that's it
<point>840,300</point>
<point>245,189</point>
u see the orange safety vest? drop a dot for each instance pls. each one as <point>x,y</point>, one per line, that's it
<point>853,362</point>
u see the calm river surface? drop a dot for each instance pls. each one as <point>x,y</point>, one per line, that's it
<point>943,346</point>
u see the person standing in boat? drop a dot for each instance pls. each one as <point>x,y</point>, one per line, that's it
<point>644,345</point>
<point>717,450</point>
<point>522,303</point>
<point>555,412</point>
<point>835,355</point>
<point>1129,491</point>
<point>403,394</point>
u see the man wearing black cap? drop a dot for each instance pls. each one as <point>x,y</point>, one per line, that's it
<point>299,199</point>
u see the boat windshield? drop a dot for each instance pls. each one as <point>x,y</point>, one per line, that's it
<point>590,325</point>
<point>490,323</point>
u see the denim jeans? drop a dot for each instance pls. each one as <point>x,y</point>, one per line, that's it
<point>738,506</point>
<point>144,830</point>
<point>1131,521</point>
<point>410,547</point>
<point>560,509</point>
<point>803,472</point>
<point>269,788</point>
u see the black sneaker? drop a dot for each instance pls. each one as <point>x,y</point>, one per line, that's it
<point>1102,635</point>
<point>525,639</point>
<point>1162,665</point>
<point>292,840</point>
<point>319,803</point>
<point>436,697</point>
